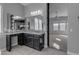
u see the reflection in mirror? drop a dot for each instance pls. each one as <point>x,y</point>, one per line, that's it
<point>38,24</point>
<point>55,25</point>
<point>62,26</point>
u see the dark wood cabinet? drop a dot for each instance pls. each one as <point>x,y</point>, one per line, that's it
<point>38,42</point>
<point>31,40</point>
<point>20,39</point>
<point>8,42</point>
<point>34,41</point>
<point>28,39</point>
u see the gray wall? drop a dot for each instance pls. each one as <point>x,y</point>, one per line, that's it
<point>38,6</point>
<point>73,40</point>
<point>12,8</point>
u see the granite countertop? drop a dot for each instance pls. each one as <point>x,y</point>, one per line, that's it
<point>20,31</point>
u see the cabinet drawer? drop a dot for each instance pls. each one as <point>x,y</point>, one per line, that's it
<point>62,44</point>
<point>34,41</point>
<point>36,36</point>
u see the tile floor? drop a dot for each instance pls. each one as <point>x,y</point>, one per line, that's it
<point>24,50</point>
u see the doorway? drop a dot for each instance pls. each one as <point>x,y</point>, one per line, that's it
<point>57,27</point>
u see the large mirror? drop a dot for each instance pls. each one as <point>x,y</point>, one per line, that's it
<point>35,23</point>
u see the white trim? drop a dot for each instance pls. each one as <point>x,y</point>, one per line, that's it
<point>1,18</point>
<point>0,52</point>
<point>45,46</point>
<point>5,48</point>
<point>72,53</point>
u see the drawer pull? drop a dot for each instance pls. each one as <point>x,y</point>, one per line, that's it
<point>55,45</point>
<point>58,39</point>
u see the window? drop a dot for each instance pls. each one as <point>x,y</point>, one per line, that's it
<point>55,26</point>
<point>62,26</point>
<point>0,19</point>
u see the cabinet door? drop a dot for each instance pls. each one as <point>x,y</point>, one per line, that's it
<point>8,42</point>
<point>30,41</point>
<point>36,43</point>
<point>25,39</point>
<point>20,39</point>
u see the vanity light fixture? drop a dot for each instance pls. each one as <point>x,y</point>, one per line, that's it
<point>38,12</point>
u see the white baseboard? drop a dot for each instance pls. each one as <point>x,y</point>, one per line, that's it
<point>5,48</point>
<point>45,46</point>
<point>72,53</point>
<point>0,52</point>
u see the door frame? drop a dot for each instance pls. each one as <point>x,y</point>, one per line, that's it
<point>48,24</point>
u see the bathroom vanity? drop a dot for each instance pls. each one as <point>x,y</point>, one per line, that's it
<point>30,39</point>
<point>31,31</point>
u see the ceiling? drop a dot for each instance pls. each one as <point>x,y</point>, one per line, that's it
<point>25,4</point>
